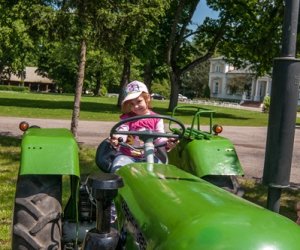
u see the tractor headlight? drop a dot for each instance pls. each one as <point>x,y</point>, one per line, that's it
<point>217,129</point>
<point>23,126</point>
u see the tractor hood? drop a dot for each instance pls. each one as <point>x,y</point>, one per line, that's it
<point>172,209</point>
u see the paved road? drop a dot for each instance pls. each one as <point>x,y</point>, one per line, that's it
<point>249,141</point>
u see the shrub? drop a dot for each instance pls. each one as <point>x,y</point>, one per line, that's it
<point>162,88</point>
<point>14,88</point>
<point>103,91</point>
<point>206,93</point>
<point>266,104</point>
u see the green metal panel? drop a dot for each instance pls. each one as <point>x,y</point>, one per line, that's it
<point>49,151</point>
<point>176,210</point>
<point>202,152</point>
<point>213,156</point>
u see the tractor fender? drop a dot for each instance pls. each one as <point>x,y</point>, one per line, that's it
<point>215,156</point>
<point>49,151</point>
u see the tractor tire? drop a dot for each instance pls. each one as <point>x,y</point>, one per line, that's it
<point>37,212</point>
<point>227,182</point>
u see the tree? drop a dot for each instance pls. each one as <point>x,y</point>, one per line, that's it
<point>21,27</point>
<point>235,34</point>
<point>182,56</point>
<point>252,36</point>
<point>139,20</point>
<point>75,13</point>
<point>83,33</point>
<point>239,84</point>
<point>121,27</point>
<point>58,31</point>
<point>206,93</point>
<point>57,60</point>
<point>161,87</point>
<point>195,80</point>
<point>101,70</point>
<point>83,17</point>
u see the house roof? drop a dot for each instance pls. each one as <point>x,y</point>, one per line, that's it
<point>32,76</point>
<point>235,70</point>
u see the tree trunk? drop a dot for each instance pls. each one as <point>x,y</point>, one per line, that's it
<point>98,85</point>
<point>175,83</point>
<point>125,78</point>
<point>148,74</point>
<point>78,91</point>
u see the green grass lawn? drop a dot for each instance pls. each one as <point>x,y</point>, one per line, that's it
<point>9,162</point>
<point>57,106</point>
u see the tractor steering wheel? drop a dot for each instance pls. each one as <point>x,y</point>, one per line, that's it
<point>145,135</point>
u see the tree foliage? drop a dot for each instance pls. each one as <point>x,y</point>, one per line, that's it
<point>195,81</point>
<point>21,26</point>
<point>58,61</point>
<point>137,20</point>
<point>149,39</point>
<point>239,84</point>
<point>102,71</point>
<point>161,87</point>
<point>182,55</point>
<point>253,35</point>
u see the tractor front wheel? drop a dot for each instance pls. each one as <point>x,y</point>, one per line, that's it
<point>37,212</point>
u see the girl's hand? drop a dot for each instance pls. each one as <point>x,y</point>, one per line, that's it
<point>114,141</point>
<point>171,143</point>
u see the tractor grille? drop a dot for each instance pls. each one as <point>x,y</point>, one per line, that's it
<point>133,227</point>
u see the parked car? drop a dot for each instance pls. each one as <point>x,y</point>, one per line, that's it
<point>157,96</point>
<point>182,97</point>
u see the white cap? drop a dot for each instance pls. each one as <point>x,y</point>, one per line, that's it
<point>133,90</point>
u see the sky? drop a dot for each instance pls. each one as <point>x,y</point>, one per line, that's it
<point>203,11</point>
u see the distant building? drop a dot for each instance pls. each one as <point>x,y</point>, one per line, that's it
<point>31,79</point>
<point>221,78</point>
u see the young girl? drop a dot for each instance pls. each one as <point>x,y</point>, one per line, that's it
<point>136,102</point>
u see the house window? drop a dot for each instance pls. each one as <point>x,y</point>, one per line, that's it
<point>218,68</point>
<point>216,88</point>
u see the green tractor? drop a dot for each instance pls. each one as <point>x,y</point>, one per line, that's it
<point>157,206</point>
<point>203,153</point>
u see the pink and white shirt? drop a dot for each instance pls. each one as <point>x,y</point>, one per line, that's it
<point>153,124</point>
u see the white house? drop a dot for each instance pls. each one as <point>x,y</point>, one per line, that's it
<point>222,73</point>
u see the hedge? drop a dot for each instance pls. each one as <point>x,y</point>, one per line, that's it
<point>14,88</point>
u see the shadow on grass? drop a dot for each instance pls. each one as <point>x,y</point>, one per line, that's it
<point>104,107</point>
<point>9,141</point>
<point>257,193</point>
<point>68,105</point>
<point>7,148</point>
<point>190,113</point>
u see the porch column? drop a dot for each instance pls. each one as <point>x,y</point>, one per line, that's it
<point>268,87</point>
<point>257,94</point>
<point>253,89</point>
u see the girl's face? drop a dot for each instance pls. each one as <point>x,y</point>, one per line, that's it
<point>139,106</point>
